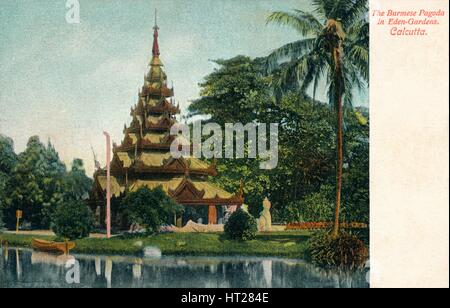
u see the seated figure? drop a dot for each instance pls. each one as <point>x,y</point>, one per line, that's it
<point>265,219</point>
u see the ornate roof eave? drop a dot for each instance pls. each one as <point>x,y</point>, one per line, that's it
<point>146,145</point>
<point>179,166</point>
<point>164,124</point>
<point>187,194</point>
<point>141,147</point>
<point>215,201</point>
<point>137,130</point>
<point>164,92</point>
<point>163,109</point>
<point>131,171</point>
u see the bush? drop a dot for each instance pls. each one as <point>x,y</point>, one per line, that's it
<point>72,220</point>
<point>346,250</point>
<point>150,208</point>
<point>241,226</point>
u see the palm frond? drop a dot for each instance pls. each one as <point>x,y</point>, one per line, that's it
<point>308,63</point>
<point>314,65</point>
<point>357,10</point>
<point>288,52</point>
<point>359,32</point>
<point>348,100</point>
<point>356,48</point>
<point>359,56</point>
<point>354,77</point>
<point>302,73</point>
<point>305,23</point>
<point>323,8</point>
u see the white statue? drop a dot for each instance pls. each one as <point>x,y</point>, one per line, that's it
<point>265,219</point>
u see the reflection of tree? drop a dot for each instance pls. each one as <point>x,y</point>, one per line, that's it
<point>18,267</point>
<point>108,271</point>
<point>200,272</point>
<point>137,269</point>
<point>267,269</point>
<point>98,266</point>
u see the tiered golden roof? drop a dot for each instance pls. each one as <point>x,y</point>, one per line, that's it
<point>143,158</point>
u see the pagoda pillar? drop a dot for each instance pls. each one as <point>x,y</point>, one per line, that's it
<point>212,214</point>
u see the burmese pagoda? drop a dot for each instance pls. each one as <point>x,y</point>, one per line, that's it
<point>144,159</point>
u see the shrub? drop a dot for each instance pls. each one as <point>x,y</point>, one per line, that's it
<point>241,226</point>
<point>150,208</point>
<point>345,250</point>
<point>72,220</point>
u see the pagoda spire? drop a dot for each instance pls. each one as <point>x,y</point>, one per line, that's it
<point>155,49</point>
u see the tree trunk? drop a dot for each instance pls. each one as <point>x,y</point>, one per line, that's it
<point>340,155</point>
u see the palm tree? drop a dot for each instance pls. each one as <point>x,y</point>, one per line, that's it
<point>334,49</point>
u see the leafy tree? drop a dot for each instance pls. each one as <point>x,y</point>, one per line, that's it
<point>237,92</point>
<point>334,47</point>
<point>241,226</point>
<point>150,208</point>
<point>77,184</point>
<point>72,220</point>
<point>36,184</point>
<point>356,176</point>
<point>8,156</point>
<point>8,160</point>
<point>315,207</point>
<point>2,224</point>
<point>234,93</point>
<point>237,86</point>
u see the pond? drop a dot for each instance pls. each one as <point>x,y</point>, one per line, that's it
<point>25,268</point>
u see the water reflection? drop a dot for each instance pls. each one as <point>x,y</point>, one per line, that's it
<point>26,268</point>
<point>98,266</point>
<point>18,266</point>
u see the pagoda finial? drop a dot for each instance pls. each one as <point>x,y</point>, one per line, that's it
<point>155,37</point>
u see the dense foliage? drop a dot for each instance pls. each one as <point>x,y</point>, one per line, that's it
<point>8,160</point>
<point>150,208</point>
<point>333,51</point>
<point>35,185</point>
<point>241,226</point>
<point>76,183</point>
<point>2,224</point>
<point>345,250</point>
<point>315,207</point>
<point>305,174</point>
<point>36,182</point>
<point>72,220</point>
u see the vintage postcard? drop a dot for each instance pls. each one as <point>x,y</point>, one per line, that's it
<point>218,144</point>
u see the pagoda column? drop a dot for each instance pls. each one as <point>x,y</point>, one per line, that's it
<point>212,214</point>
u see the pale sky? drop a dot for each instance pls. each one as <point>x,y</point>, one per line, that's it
<point>69,82</point>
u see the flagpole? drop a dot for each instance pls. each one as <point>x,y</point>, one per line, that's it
<point>108,185</point>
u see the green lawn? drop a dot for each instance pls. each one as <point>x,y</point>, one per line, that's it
<point>291,244</point>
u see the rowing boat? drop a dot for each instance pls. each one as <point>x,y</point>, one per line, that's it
<point>54,247</point>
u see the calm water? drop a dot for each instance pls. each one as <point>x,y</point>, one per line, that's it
<point>25,268</point>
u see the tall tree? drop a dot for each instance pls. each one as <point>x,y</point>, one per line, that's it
<point>237,92</point>
<point>334,48</point>
<point>8,160</point>
<point>77,184</point>
<point>36,184</point>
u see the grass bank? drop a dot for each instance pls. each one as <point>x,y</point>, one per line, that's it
<point>289,244</point>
